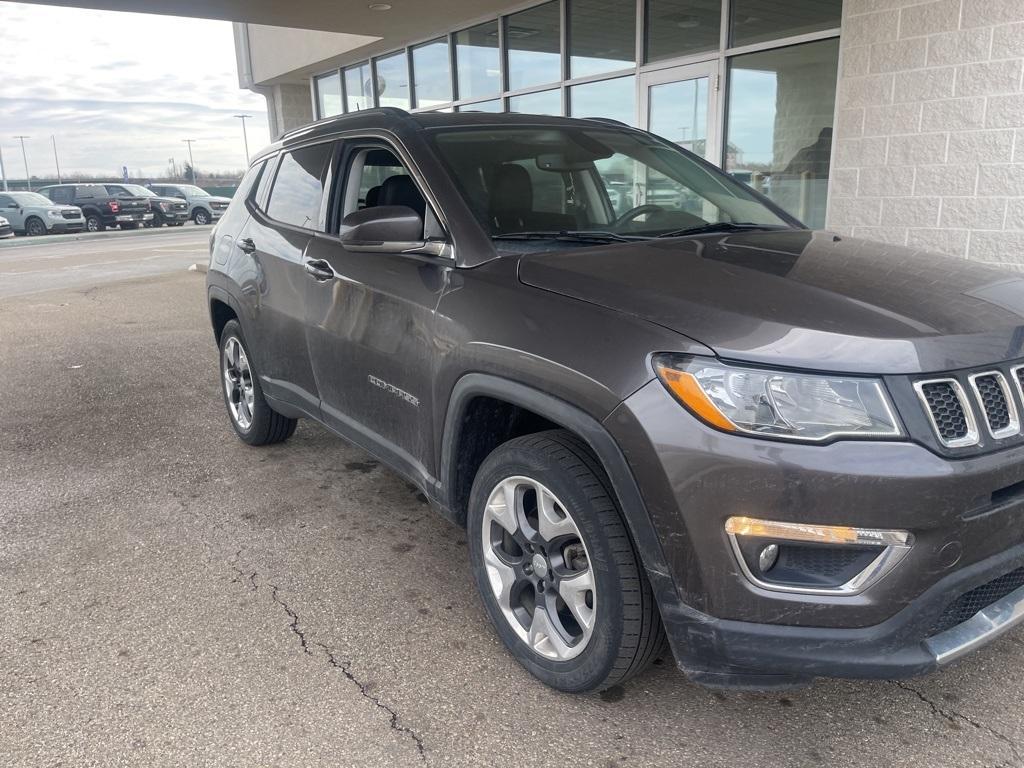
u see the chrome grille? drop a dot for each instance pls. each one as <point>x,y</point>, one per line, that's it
<point>996,403</point>
<point>951,417</point>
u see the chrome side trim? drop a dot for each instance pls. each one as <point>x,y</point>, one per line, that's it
<point>1013,427</point>
<point>984,626</point>
<point>971,438</point>
<point>888,559</point>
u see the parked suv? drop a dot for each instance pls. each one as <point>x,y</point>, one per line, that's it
<point>100,208</point>
<point>33,214</point>
<point>202,206</point>
<point>172,211</point>
<point>793,454</point>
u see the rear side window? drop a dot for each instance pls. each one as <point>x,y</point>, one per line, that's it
<point>298,189</point>
<point>249,182</point>
<point>91,190</point>
<point>59,194</point>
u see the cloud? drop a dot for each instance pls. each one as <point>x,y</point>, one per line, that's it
<point>121,89</point>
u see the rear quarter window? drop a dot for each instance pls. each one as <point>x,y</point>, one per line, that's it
<point>91,190</point>
<point>299,188</point>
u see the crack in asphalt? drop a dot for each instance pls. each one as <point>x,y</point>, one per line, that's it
<point>952,716</point>
<point>345,667</point>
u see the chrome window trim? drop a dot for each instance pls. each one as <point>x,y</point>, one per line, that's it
<point>890,556</point>
<point>1013,427</point>
<point>971,438</point>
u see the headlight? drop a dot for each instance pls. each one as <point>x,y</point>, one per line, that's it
<point>164,206</point>
<point>790,406</point>
<point>55,214</point>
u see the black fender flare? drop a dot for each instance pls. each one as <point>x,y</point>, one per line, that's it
<point>216,293</point>
<point>592,432</point>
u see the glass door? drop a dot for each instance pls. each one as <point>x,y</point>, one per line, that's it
<point>680,104</point>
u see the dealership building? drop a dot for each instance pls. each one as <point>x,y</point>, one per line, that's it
<point>896,120</point>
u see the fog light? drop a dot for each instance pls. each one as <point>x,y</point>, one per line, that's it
<point>814,559</point>
<point>767,558</point>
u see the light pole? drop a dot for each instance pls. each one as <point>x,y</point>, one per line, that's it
<point>3,172</point>
<point>191,162</point>
<point>28,179</point>
<point>55,160</point>
<point>245,136</point>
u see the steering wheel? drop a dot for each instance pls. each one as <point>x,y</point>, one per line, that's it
<point>637,212</point>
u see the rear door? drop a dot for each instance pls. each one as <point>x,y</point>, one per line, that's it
<point>275,238</point>
<point>371,326</point>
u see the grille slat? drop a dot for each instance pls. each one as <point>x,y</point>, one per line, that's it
<point>951,419</point>
<point>993,397</point>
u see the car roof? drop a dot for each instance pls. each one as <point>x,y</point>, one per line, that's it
<point>394,118</point>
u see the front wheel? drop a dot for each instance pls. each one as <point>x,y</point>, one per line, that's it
<point>34,227</point>
<point>556,568</point>
<point>254,420</point>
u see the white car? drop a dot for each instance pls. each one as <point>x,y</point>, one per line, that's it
<point>6,230</point>
<point>33,214</point>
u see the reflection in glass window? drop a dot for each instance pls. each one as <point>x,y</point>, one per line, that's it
<point>492,105</point>
<point>328,95</point>
<point>678,112</point>
<point>682,27</point>
<point>779,134</point>
<point>602,36</point>
<point>534,46</point>
<point>540,103</point>
<point>754,21</point>
<point>358,92</point>
<point>298,188</point>
<point>478,61</point>
<point>606,98</point>
<point>393,81</point>
<point>431,69</point>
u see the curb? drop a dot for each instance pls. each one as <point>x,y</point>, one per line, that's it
<point>23,241</point>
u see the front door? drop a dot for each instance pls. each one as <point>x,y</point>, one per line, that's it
<point>370,322</point>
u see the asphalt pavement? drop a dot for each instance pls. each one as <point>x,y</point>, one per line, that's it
<point>172,597</point>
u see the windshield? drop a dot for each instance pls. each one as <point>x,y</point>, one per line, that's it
<point>135,189</point>
<point>191,191</point>
<point>593,183</point>
<point>30,198</point>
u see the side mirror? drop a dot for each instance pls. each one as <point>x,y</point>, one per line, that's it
<point>387,229</point>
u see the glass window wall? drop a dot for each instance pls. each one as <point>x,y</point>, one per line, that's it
<point>602,36</point>
<point>478,61</point>
<point>433,74</point>
<point>358,88</point>
<point>328,94</point>
<point>393,81</point>
<point>534,41</point>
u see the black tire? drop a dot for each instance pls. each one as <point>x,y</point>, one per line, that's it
<point>93,223</point>
<point>267,426</point>
<point>176,223</point>
<point>201,216</point>
<point>130,225</point>
<point>627,632</point>
<point>34,226</point>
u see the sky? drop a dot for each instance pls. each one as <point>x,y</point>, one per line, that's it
<point>120,89</point>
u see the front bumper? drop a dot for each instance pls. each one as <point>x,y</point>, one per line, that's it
<point>67,225</point>
<point>966,516</point>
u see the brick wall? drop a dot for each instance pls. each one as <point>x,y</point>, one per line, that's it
<point>929,135</point>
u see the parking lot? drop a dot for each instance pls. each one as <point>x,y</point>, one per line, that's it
<point>174,597</point>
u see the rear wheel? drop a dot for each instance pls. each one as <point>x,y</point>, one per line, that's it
<point>556,568</point>
<point>34,227</point>
<point>130,225</point>
<point>253,419</point>
<point>201,216</point>
<point>94,223</point>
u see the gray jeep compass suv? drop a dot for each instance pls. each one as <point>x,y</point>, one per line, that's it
<point>788,453</point>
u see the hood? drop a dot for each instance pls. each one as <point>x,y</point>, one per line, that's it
<point>802,299</point>
<point>162,199</point>
<point>217,199</point>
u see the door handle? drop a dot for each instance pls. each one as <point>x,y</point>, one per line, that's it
<point>319,269</point>
<point>246,245</point>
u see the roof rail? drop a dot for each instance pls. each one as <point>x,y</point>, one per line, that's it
<point>609,121</point>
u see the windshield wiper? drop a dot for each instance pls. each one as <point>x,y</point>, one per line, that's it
<point>724,226</point>
<point>568,234</point>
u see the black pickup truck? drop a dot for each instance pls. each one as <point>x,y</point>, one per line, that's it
<point>100,208</point>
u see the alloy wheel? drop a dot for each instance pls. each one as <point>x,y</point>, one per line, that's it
<point>238,383</point>
<point>539,569</point>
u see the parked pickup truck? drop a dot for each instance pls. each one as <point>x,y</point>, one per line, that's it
<point>100,208</point>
